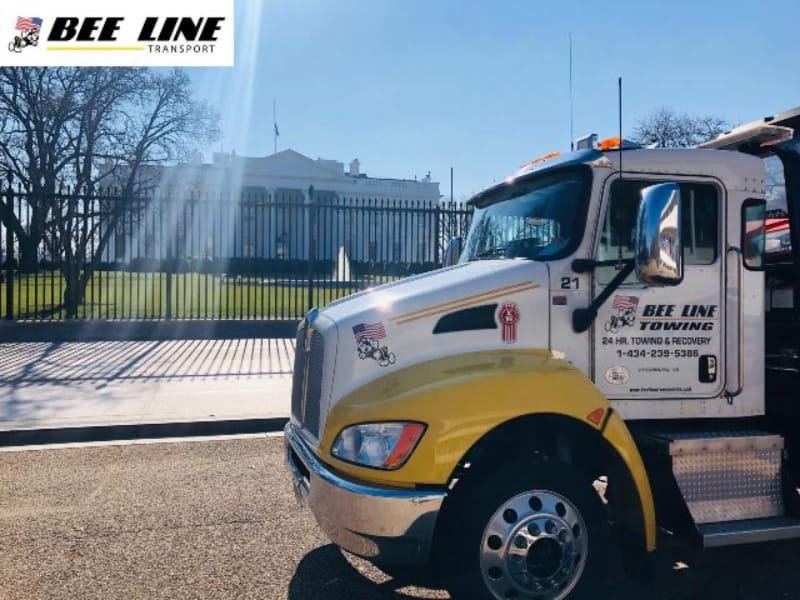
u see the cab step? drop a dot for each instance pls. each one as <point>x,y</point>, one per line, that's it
<point>749,531</point>
<point>720,487</point>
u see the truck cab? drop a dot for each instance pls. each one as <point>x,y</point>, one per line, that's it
<point>612,353</point>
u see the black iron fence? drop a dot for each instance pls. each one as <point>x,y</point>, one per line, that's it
<point>254,255</point>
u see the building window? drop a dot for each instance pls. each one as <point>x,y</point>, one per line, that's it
<point>396,252</point>
<point>373,251</point>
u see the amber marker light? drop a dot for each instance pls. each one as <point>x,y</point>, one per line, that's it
<point>596,416</point>
<point>412,432</point>
<point>611,143</point>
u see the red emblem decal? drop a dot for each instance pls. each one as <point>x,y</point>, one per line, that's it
<point>509,317</point>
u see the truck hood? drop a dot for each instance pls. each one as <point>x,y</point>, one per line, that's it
<point>469,307</point>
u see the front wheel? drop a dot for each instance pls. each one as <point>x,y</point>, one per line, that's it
<point>534,531</point>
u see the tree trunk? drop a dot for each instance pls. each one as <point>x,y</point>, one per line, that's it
<point>28,254</point>
<point>74,289</point>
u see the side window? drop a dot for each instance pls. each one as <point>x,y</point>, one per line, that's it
<point>753,227</point>
<point>700,217</point>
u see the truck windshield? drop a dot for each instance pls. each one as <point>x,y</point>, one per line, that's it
<point>541,218</point>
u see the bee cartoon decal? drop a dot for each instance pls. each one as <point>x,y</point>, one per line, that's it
<point>29,29</point>
<point>369,344</point>
<point>626,313</point>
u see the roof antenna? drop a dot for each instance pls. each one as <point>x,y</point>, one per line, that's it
<point>619,101</point>
<point>571,107</point>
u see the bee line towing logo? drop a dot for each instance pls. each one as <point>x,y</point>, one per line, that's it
<point>29,29</point>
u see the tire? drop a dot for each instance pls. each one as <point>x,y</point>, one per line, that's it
<point>530,524</point>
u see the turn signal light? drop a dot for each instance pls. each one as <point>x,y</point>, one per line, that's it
<point>405,445</point>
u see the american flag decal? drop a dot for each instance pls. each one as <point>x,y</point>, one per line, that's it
<point>369,331</point>
<point>625,302</point>
<point>28,24</point>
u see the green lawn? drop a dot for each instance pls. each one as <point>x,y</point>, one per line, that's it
<point>126,295</point>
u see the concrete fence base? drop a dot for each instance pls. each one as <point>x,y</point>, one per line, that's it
<point>94,331</point>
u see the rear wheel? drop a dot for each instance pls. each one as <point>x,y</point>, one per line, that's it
<point>533,531</point>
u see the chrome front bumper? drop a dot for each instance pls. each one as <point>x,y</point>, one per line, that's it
<point>388,526</point>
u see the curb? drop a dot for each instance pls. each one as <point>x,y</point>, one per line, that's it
<point>108,433</point>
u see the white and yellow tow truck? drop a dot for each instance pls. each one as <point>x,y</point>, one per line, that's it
<point>611,354</point>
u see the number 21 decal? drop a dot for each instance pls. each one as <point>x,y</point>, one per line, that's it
<point>569,283</point>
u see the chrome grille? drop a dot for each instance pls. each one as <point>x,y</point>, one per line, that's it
<point>307,380</point>
<point>298,372</point>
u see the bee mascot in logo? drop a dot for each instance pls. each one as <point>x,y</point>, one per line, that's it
<point>23,40</point>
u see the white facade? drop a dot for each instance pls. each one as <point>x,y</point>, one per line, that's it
<point>267,204</point>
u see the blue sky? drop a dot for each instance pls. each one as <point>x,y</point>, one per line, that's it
<point>411,86</point>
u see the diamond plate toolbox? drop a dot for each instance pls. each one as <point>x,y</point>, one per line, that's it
<point>727,476</point>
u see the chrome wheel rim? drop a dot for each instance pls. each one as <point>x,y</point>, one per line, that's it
<point>534,546</point>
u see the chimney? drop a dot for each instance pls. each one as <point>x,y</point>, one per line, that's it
<point>354,166</point>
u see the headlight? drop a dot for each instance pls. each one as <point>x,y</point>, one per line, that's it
<point>378,445</point>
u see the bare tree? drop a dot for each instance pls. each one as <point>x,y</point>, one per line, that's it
<point>667,128</point>
<point>79,129</point>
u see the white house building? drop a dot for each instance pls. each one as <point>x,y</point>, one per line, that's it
<point>261,207</point>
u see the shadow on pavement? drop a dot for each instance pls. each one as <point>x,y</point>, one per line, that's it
<point>27,364</point>
<point>66,392</point>
<point>325,574</point>
<point>679,573</point>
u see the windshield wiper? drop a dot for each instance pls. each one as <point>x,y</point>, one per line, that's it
<point>489,252</point>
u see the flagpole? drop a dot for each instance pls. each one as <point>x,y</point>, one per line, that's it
<point>274,128</point>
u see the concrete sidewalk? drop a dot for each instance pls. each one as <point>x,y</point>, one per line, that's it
<point>57,385</point>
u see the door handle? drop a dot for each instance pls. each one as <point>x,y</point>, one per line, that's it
<point>734,345</point>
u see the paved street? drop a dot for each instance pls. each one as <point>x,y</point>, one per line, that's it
<point>84,384</point>
<point>216,519</point>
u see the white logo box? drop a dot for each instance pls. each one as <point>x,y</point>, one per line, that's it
<point>187,20</point>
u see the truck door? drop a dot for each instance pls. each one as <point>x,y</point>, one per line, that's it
<point>663,342</point>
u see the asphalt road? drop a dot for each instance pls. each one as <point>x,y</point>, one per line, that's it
<point>217,519</point>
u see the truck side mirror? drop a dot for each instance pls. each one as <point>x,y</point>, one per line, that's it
<point>659,254</point>
<point>453,252</point>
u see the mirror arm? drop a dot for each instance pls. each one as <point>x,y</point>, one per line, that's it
<point>587,265</point>
<point>582,318</point>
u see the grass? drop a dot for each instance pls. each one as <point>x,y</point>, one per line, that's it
<point>129,295</point>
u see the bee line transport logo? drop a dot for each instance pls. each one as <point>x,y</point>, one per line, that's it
<point>98,33</point>
<point>28,29</point>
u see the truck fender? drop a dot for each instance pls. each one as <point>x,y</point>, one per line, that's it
<point>463,398</point>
